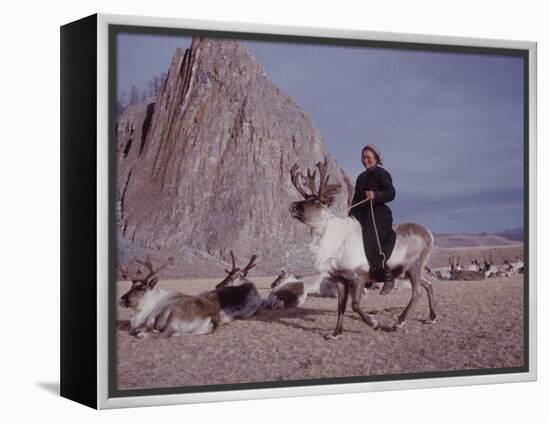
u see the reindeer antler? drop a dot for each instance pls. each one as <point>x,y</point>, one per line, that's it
<point>310,182</point>
<point>125,273</point>
<point>152,272</point>
<point>295,175</point>
<point>233,264</point>
<point>250,264</point>
<point>326,192</point>
<point>322,166</point>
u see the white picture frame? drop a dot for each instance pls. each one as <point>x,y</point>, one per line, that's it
<point>96,393</point>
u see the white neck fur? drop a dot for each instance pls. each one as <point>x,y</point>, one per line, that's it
<point>148,303</point>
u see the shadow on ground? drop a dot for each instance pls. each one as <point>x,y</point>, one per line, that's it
<point>51,387</point>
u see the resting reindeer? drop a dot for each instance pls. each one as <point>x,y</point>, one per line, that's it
<point>164,312</point>
<point>490,269</point>
<point>518,265</point>
<point>320,284</point>
<point>236,296</point>
<point>458,274</point>
<point>174,313</point>
<point>286,292</point>
<point>513,267</point>
<point>338,248</point>
<point>289,290</point>
<point>439,273</point>
<point>475,266</point>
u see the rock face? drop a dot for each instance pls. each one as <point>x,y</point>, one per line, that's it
<point>205,166</point>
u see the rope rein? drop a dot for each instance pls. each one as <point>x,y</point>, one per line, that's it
<point>356,204</point>
<point>376,233</point>
<point>375,228</point>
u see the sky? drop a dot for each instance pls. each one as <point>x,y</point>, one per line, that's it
<point>449,125</point>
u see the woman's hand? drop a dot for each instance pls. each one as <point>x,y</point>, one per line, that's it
<point>369,195</point>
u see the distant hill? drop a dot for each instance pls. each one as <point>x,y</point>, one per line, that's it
<point>507,237</point>
<point>458,240</point>
<point>512,234</point>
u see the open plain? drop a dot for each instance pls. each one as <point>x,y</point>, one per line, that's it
<point>480,326</point>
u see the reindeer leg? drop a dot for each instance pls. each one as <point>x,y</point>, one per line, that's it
<point>414,277</point>
<point>343,294</point>
<point>357,291</point>
<point>139,331</point>
<point>429,290</point>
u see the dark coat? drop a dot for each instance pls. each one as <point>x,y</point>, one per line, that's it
<point>378,180</point>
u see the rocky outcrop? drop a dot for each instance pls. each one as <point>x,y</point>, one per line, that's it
<point>205,166</point>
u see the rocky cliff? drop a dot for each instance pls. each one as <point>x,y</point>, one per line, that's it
<point>204,168</point>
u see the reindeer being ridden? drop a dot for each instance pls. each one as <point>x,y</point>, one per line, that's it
<point>337,245</point>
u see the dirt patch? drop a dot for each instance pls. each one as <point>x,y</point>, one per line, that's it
<point>480,326</point>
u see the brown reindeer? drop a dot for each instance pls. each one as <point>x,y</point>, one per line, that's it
<point>236,296</point>
<point>286,292</point>
<point>458,274</point>
<point>162,312</point>
<point>173,313</point>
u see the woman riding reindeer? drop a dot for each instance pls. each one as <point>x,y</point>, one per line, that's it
<point>373,190</point>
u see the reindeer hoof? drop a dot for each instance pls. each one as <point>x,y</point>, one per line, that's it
<point>137,333</point>
<point>330,336</point>
<point>430,321</point>
<point>398,325</point>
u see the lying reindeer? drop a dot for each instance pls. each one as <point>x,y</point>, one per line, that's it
<point>458,274</point>
<point>174,313</point>
<point>439,273</point>
<point>164,312</point>
<point>338,248</point>
<point>235,296</point>
<point>287,292</point>
<point>490,269</point>
<point>320,284</point>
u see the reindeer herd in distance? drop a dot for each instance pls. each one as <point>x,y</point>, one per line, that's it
<point>341,270</point>
<point>476,271</point>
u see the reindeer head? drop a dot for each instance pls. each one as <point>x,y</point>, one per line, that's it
<point>312,209</point>
<point>478,265</point>
<point>487,263</point>
<point>283,274</point>
<point>140,284</point>
<point>455,263</point>
<point>236,276</point>
<point>506,264</point>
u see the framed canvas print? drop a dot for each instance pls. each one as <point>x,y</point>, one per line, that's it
<point>254,211</point>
